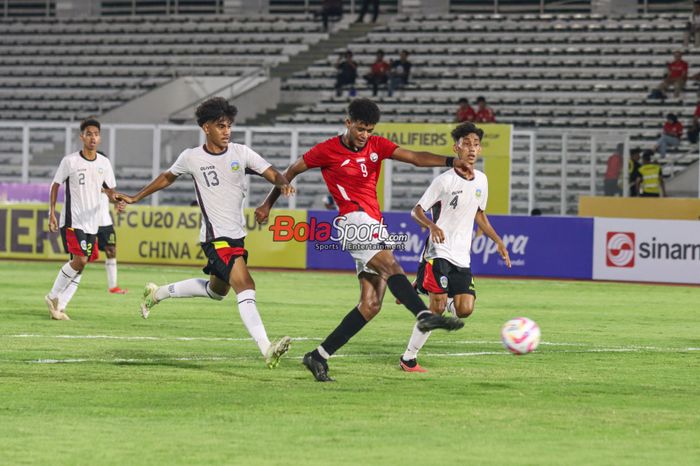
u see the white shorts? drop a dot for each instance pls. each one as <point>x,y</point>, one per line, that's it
<point>361,241</point>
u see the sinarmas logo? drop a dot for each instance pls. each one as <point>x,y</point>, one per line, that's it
<point>619,249</point>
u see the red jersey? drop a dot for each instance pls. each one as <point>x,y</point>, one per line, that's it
<point>380,68</point>
<point>485,115</point>
<point>677,69</point>
<point>674,129</point>
<point>697,111</point>
<point>351,176</point>
<point>466,114</point>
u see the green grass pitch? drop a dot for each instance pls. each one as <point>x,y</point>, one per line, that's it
<point>616,380</point>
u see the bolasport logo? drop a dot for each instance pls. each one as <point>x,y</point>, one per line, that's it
<point>349,236</point>
<point>619,249</point>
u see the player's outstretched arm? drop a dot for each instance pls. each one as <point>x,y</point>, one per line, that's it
<point>483,222</point>
<point>436,233</point>
<point>428,159</point>
<point>279,181</point>
<point>263,210</point>
<point>163,180</point>
<point>53,196</point>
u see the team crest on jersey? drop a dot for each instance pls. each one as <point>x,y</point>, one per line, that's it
<point>478,193</point>
<point>443,281</point>
<point>99,170</point>
<point>374,156</point>
<point>235,166</point>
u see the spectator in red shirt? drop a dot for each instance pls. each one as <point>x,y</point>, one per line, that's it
<point>379,73</point>
<point>484,114</point>
<point>671,137</point>
<point>677,75</point>
<point>611,184</point>
<point>465,112</point>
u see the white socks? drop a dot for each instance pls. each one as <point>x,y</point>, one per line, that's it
<point>64,278</point>
<point>191,288</point>
<point>415,344</point>
<point>251,319</point>
<point>111,268</point>
<point>197,287</point>
<point>67,294</point>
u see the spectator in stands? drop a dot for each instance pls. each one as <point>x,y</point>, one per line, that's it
<point>365,7</point>
<point>650,183</point>
<point>330,9</point>
<point>611,183</point>
<point>676,76</point>
<point>535,212</point>
<point>465,112</point>
<point>399,73</point>
<point>693,131</point>
<point>484,114</point>
<point>693,27</point>
<point>378,73</point>
<point>347,73</point>
<point>633,169</point>
<point>671,137</point>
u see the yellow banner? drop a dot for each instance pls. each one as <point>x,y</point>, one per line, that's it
<point>146,235</point>
<point>436,138</point>
<point>24,233</point>
<point>675,208</point>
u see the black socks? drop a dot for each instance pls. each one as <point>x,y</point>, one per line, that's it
<point>349,326</point>
<point>402,289</point>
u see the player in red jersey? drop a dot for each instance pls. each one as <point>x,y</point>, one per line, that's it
<point>350,165</point>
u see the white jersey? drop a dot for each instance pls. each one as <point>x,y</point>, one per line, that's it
<point>220,186</point>
<point>84,180</point>
<point>454,202</point>
<point>105,219</point>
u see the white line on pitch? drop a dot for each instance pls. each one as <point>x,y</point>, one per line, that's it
<point>137,338</point>
<point>357,355</point>
<point>469,342</point>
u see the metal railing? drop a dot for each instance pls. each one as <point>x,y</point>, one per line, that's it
<point>157,155</point>
<point>47,8</point>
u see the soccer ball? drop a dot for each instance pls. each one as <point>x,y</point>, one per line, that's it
<point>520,335</point>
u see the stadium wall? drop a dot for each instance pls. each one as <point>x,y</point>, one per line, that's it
<point>549,247</point>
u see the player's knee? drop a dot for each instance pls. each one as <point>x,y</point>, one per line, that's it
<point>216,296</point>
<point>242,284</point>
<point>370,307</point>
<point>79,262</point>
<point>464,310</point>
<point>438,304</point>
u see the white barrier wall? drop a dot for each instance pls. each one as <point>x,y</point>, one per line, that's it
<point>646,250</point>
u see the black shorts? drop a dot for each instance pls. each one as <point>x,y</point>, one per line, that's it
<point>442,276</point>
<point>106,236</point>
<point>78,243</point>
<point>221,254</point>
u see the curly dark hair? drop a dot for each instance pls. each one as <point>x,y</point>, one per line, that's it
<point>89,121</point>
<point>364,110</point>
<point>214,109</point>
<point>465,129</point>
